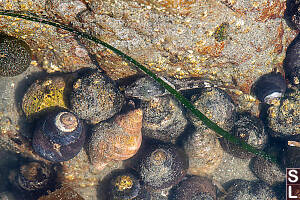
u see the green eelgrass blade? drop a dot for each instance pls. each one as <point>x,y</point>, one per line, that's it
<point>179,96</point>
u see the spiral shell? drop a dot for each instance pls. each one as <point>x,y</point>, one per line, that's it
<point>124,184</point>
<point>194,187</point>
<point>59,137</point>
<point>15,56</point>
<point>269,87</point>
<point>161,166</point>
<point>118,139</point>
<point>217,105</point>
<point>204,151</point>
<point>34,176</point>
<point>292,60</point>
<point>163,118</point>
<point>249,129</point>
<point>95,97</point>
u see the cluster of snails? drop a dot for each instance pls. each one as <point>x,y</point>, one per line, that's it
<point>60,133</point>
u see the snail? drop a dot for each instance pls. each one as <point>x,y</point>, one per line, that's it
<point>33,179</point>
<point>163,118</point>
<point>124,184</point>
<point>239,189</point>
<point>269,87</point>
<point>15,56</point>
<point>249,129</point>
<point>194,187</point>
<point>59,136</point>
<point>217,105</point>
<point>291,64</point>
<point>95,97</point>
<point>116,139</point>
<point>162,165</point>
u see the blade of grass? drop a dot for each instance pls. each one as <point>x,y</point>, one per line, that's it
<point>210,124</point>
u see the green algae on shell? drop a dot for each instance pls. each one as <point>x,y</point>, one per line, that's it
<point>15,55</point>
<point>95,97</point>
<point>43,95</point>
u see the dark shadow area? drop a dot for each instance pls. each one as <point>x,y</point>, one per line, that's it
<point>290,11</point>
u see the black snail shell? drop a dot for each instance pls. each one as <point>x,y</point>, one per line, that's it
<point>249,129</point>
<point>291,63</point>
<point>162,166</point>
<point>292,14</point>
<point>194,188</point>
<point>217,105</point>
<point>163,118</point>
<point>124,184</point>
<point>95,97</point>
<point>250,190</point>
<point>34,176</point>
<point>15,56</point>
<point>269,87</point>
<point>59,136</point>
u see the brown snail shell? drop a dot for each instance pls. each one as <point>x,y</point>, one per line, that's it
<point>204,151</point>
<point>117,139</point>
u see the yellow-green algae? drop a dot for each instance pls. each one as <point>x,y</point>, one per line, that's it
<point>43,95</point>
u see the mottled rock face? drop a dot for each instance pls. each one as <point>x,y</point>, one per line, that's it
<point>182,38</point>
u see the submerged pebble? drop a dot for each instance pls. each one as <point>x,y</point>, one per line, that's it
<point>95,97</point>
<point>15,56</point>
<point>163,118</point>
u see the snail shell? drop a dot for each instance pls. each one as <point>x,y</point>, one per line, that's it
<point>163,118</point>
<point>124,184</point>
<point>217,105</point>
<point>204,151</point>
<point>118,139</point>
<point>292,60</point>
<point>194,187</point>
<point>269,86</point>
<point>15,56</point>
<point>161,166</point>
<point>95,97</point>
<point>34,176</point>
<point>59,137</point>
<point>249,129</point>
